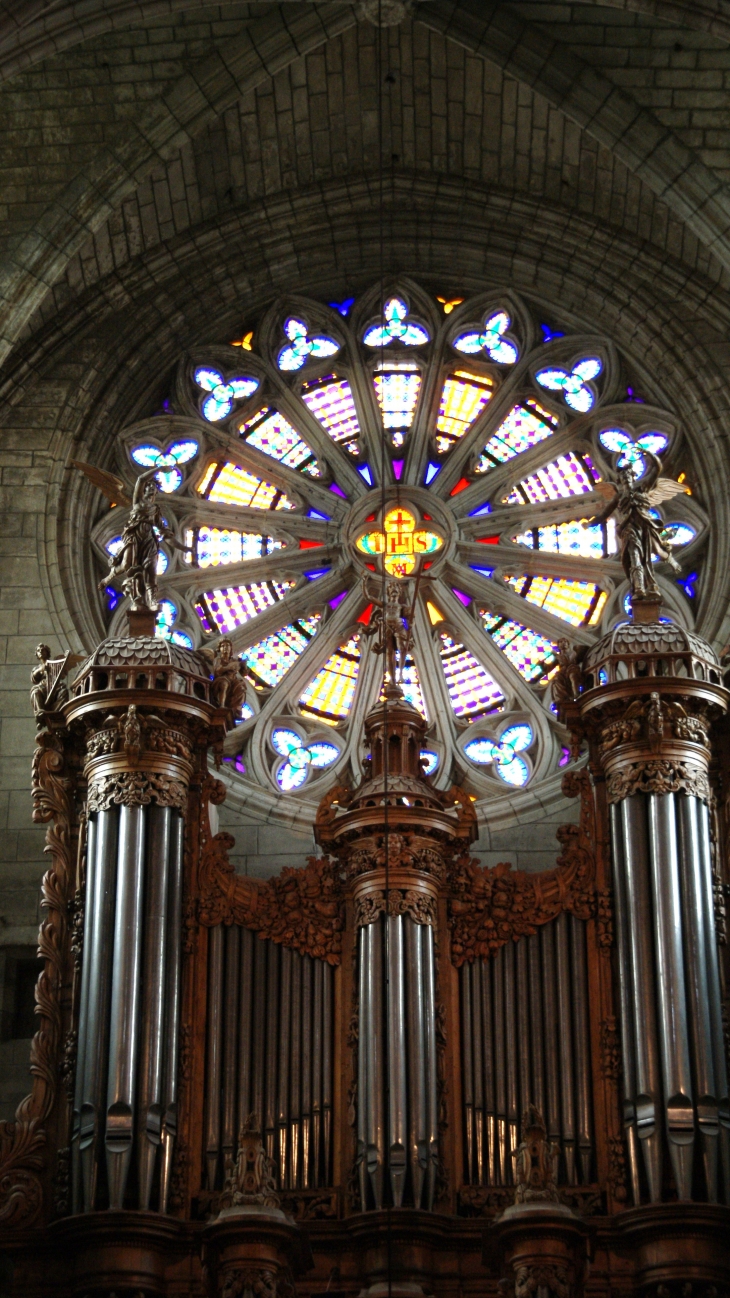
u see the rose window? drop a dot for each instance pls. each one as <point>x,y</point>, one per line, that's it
<point>451,447</point>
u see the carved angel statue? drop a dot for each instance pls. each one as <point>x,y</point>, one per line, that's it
<point>250,1180</point>
<point>134,566</point>
<point>567,682</point>
<point>391,621</point>
<point>48,689</point>
<point>229,682</point>
<point>639,534</point>
<point>536,1160</point>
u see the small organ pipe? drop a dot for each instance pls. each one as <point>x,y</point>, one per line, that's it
<point>92,874</point>
<point>580,1047</point>
<point>468,1075</point>
<point>490,1122</point>
<point>376,1080</point>
<point>272,1023</point>
<point>285,1034</point>
<point>327,1030</point>
<point>626,996</point>
<point>714,992</point>
<point>229,1065</point>
<point>641,959</point>
<point>363,1052</point>
<point>417,1142</point>
<point>396,1060</point>
<point>149,1116</point>
<point>125,1003</point>
<point>513,1113</point>
<point>476,1018</point>
<point>698,994</point>
<point>172,1004</point>
<point>671,995</point>
<point>317,1074</point>
<point>99,939</point>
<point>295,1081</point>
<point>306,1070</point>
<point>500,1060</point>
<point>432,1098</point>
<point>213,1062</point>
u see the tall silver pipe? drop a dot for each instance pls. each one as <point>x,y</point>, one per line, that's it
<point>417,1141</point>
<point>671,993</point>
<point>214,1052</point>
<point>125,1002</point>
<point>376,1080</point>
<point>307,980</point>
<point>490,1118</point>
<point>565,1037</point>
<point>476,1019</point>
<point>99,940</point>
<point>272,1035</point>
<point>432,1097</point>
<point>643,991</point>
<point>149,1116</point>
<point>363,1053</point>
<point>285,1029</point>
<point>467,1083</point>
<point>246,1002</point>
<point>524,1034</point>
<point>173,995</point>
<point>91,875</point>
<point>260,1011</point>
<point>295,1081</point>
<point>714,995</point>
<point>626,999</point>
<point>698,992</point>
<point>536,1025</point>
<point>510,1022</point>
<point>327,1042</point>
<point>397,1137</point>
<point>500,1067</point>
<point>229,1063</point>
<point>581,1048</point>
<point>317,1074</point>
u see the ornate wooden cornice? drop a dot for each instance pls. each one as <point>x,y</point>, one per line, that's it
<point>491,906</point>
<point>301,908</point>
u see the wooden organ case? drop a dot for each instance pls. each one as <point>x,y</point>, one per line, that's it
<point>390,1070</point>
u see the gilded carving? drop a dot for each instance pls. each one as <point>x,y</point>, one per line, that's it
<point>411,901</point>
<point>136,788</point>
<point>300,908</point>
<point>491,906</point>
<point>658,776</point>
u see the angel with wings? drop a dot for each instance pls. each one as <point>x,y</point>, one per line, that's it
<point>134,566</point>
<point>639,531</point>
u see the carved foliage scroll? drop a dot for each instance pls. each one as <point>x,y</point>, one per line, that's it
<point>490,907</point>
<point>300,908</point>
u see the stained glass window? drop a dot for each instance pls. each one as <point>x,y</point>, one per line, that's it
<point>491,339</point>
<point>629,449</point>
<point>229,484</point>
<point>592,542</point>
<point>169,478</point>
<point>532,654</point>
<point>269,432</point>
<point>429,761</point>
<point>574,384</point>
<point>578,602</point>
<point>472,691</point>
<point>212,546</point>
<point>396,328</point>
<point>504,753</point>
<point>302,347</point>
<point>299,757</point>
<point>524,426</point>
<point>463,397</point>
<point>397,387</point>
<point>234,605</point>
<point>270,659</point>
<point>570,475</point>
<point>223,394</point>
<point>329,695</point>
<point>331,402</point>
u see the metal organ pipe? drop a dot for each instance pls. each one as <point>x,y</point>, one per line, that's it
<point>625,989</point>
<point>714,993</point>
<point>396,1060</point>
<point>229,1063</point>
<point>92,872</point>
<point>215,1044</point>
<point>172,1005</point>
<point>550,969</point>
<point>149,1115</point>
<point>432,1096</point>
<point>417,1133</point>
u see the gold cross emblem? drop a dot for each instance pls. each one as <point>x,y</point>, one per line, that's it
<point>400,541</point>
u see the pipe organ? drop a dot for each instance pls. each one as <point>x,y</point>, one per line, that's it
<point>389,1066</point>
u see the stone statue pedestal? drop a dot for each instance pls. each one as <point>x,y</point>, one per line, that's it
<point>543,1250</point>
<point>254,1252</point>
